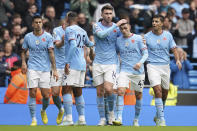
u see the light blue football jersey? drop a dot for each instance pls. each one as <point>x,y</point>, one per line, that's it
<point>131,51</point>
<point>105,38</point>
<point>58,33</point>
<point>76,57</point>
<point>159,47</point>
<point>38,51</point>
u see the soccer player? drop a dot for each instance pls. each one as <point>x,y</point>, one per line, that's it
<point>133,53</point>
<point>41,58</point>
<point>159,43</point>
<point>59,51</point>
<point>104,65</point>
<point>76,38</point>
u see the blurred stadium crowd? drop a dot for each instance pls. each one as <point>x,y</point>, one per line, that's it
<point>180,20</point>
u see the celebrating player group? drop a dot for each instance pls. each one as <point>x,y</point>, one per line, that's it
<point>58,60</point>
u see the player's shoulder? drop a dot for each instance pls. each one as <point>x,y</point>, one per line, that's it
<point>47,34</point>
<point>97,25</point>
<point>29,35</point>
<point>57,28</point>
<point>167,33</point>
<point>137,36</point>
<point>148,34</point>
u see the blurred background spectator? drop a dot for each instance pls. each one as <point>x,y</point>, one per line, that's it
<point>180,77</point>
<point>6,8</point>
<point>178,5</point>
<point>4,70</point>
<point>16,17</point>
<point>186,27</point>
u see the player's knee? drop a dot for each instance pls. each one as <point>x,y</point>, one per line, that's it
<point>109,91</point>
<point>55,93</point>
<point>32,94</point>
<point>121,92</point>
<point>158,94</point>
<point>77,93</point>
<point>138,96</point>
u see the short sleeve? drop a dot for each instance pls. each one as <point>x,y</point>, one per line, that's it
<point>172,42</point>
<point>56,36</point>
<point>50,42</point>
<point>25,43</point>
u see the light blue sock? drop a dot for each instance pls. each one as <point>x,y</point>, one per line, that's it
<point>120,106</point>
<point>115,105</point>
<point>110,100</point>
<point>32,107</point>
<point>80,105</point>
<point>67,101</point>
<point>57,102</point>
<point>138,107</point>
<point>101,106</point>
<point>45,103</point>
<point>106,109</point>
<point>159,108</point>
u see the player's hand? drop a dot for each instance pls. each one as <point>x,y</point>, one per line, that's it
<point>137,66</point>
<point>67,66</point>
<point>178,63</point>
<point>120,22</point>
<point>55,75</point>
<point>24,68</point>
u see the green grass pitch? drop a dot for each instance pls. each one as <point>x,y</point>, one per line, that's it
<point>95,128</point>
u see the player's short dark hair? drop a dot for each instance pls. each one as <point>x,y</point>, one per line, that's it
<point>72,16</point>
<point>107,7</point>
<point>36,17</point>
<point>160,17</point>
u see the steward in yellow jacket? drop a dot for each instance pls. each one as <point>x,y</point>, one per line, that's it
<point>172,96</point>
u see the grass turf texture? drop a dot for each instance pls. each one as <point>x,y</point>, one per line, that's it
<point>95,128</point>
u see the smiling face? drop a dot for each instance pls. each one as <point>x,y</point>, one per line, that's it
<point>157,24</point>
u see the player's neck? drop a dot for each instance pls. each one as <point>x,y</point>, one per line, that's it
<point>128,35</point>
<point>158,32</point>
<point>38,32</point>
<point>72,23</point>
<point>105,23</point>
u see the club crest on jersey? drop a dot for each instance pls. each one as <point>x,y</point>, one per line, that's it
<point>158,41</point>
<point>126,44</point>
<point>164,38</point>
<point>37,42</point>
<point>133,41</point>
<point>115,31</point>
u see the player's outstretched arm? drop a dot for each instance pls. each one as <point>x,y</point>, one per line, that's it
<point>24,65</point>
<point>52,59</point>
<point>176,55</point>
<point>104,33</point>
